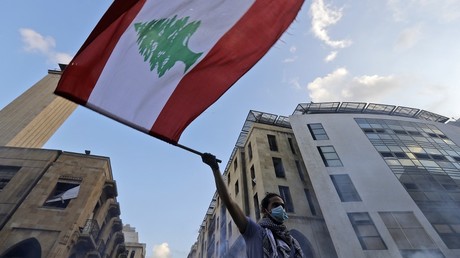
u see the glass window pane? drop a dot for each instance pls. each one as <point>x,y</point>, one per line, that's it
<point>329,156</point>
<point>429,163</point>
<point>456,228</point>
<point>372,136</point>
<point>419,238</point>
<point>326,149</point>
<point>373,243</point>
<point>334,163</point>
<point>389,220</point>
<point>406,162</point>
<point>392,162</point>
<point>442,228</point>
<point>400,239</point>
<point>406,219</point>
<point>315,126</point>
<point>345,188</point>
<point>322,137</point>
<point>366,230</point>
<point>382,148</point>
<point>318,131</point>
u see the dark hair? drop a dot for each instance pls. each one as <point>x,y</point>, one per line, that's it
<point>266,200</point>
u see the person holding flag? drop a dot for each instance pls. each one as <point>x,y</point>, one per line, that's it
<point>269,238</point>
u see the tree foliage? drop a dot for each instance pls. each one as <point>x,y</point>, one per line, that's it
<point>164,42</point>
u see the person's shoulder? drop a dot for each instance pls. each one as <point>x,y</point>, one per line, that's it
<point>252,227</point>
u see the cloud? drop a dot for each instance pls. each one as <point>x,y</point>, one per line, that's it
<point>409,37</point>
<point>324,16</point>
<point>290,59</point>
<point>161,251</point>
<point>341,86</point>
<point>397,10</point>
<point>444,11</point>
<point>292,50</point>
<point>295,82</point>
<point>330,57</point>
<point>34,42</point>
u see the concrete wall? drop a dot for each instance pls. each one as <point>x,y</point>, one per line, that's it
<point>378,187</point>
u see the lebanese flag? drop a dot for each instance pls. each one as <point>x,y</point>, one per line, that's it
<point>156,65</point>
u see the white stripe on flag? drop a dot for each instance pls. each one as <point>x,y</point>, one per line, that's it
<point>128,90</point>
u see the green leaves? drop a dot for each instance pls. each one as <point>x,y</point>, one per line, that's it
<point>164,42</point>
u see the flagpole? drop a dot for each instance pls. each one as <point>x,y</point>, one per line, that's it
<point>193,151</point>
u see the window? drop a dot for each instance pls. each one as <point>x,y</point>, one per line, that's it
<point>62,194</point>
<point>133,254</point>
<point>400,155</point>
<point>6,174</point>
<point>256,207</point>
<point>317,131</point>
<point>253,176</point>
<point>291,145</point>
<point>300,170</point>
<point>279,169</point>
<point>421,155</point>
<point>235,164</point>
<point>229,229</point>
<point>237,187</point>
<point>272,142</point>
<point>425,253</point>
<point>406,231</point>
<point>386,154</point>
<point>365,230</point>
<point>250,151</point>
<point>286,196</point>
<point>228,178</point>
<point>329,156</point>
<point>310,202</point>
<point>345,188</point>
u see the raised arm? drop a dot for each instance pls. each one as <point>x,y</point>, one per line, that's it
<point>235,211</point>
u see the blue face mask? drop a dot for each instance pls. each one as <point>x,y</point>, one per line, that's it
<point>279,214</point>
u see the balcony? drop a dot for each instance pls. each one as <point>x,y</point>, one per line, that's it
<point>101,248</point>
<point>114,209</point>
<point>91,229</point>
<point>89,234</point>
<point>117,225</point>
<point>110,189</point>
<point>87,239</point>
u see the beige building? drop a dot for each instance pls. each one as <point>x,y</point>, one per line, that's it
<point>134,249</point>
<point>359,180</point>
<point>58,204</point>
<point>32,118</point>
<point>53,203</point>
<point>266,159</point>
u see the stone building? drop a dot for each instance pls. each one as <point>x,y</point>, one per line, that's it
<point>266,159</point>
<point>58,204</point>
<point>358,180</point>
<point>134,249</point>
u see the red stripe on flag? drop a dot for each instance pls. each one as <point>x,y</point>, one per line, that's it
<point>80,76</point>
<point>233,55</point>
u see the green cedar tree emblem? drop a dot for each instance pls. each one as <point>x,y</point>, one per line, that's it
<point>164,42</point>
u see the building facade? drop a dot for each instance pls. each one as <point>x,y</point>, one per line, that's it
<point>33,117</point>
<point>266,159</point>
<point>58,204</point>
<point>359,180</point>
<point>134,249</point>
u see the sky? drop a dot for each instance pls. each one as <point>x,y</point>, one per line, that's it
<point>398,52</point>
